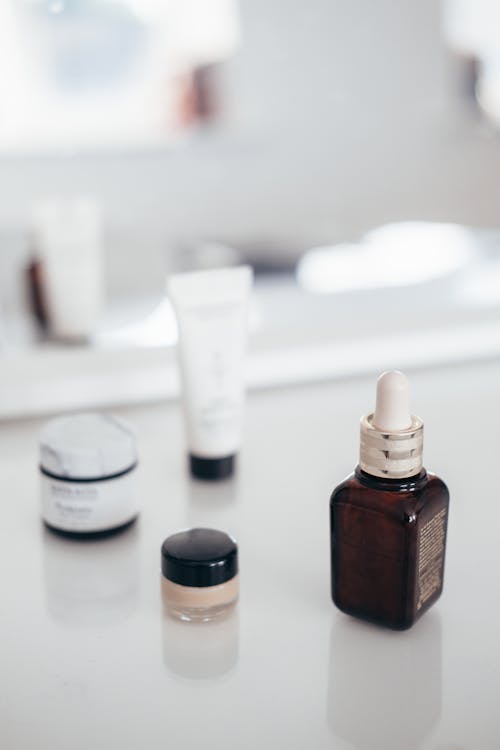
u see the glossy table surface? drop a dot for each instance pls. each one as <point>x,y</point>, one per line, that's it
<point>89,660</point>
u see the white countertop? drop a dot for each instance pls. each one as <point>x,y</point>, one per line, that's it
<point>88,659</point>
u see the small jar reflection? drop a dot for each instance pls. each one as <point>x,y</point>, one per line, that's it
<point>196,650</point>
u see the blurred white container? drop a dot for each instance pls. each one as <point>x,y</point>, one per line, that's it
<point>68,238</point>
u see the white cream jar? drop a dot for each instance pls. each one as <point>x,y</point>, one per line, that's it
<point>88,474</point>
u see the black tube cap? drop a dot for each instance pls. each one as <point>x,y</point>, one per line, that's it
<point>211,468</point>
<point>199,557</point>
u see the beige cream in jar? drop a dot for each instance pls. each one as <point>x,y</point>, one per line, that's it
<point>200,578</point>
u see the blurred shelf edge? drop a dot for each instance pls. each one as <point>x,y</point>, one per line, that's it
<point>53,381</point>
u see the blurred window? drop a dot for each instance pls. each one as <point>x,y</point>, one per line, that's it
<point>107,73</point>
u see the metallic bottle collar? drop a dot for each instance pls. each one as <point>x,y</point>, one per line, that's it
<point>394,455</point>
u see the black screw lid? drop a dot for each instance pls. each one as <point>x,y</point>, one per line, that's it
<point>211,468</point>
<point>199,557</point>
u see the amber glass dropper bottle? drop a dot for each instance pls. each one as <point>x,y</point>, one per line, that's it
<point>388,519</point>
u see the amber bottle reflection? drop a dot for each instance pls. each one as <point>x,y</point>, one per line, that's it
<point>388,531</point>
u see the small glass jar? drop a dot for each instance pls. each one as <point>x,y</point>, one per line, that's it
<point>200,574</point>
<point>88,475</point>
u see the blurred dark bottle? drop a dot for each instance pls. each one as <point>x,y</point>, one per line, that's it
<point>65,271</point>
<point>36,296</point>
<point>388,520</point>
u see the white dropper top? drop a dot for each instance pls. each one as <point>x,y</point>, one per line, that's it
<point>392,408</point>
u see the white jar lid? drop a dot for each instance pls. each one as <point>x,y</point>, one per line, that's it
<point>87,446</point>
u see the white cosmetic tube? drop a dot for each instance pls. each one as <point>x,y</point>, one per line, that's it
<point>212,312</point>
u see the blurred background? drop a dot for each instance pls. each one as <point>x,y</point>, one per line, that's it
<point>349,151</point>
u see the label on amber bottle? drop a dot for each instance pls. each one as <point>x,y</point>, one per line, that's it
<point>431,540</point>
